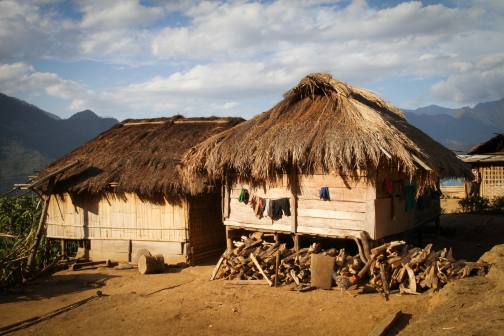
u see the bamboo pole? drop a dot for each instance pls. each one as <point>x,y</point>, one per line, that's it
<point>33,251</point>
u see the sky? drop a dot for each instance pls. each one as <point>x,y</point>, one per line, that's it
<point>145,59</point>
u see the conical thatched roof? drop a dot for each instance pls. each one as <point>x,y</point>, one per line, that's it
<point>323,124</point>
<point>140,156</point>
<point>494,145</point>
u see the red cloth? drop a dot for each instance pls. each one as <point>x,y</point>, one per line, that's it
<point>387,186</point>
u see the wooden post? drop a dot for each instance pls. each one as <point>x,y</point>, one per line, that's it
<point>296,242</point>
<point>229,239</point>
<point>293,200</point>
<point>438,225</point>
<point>47,251</point>
<point>277,264</point>
<point>419,235</point>
<point>225,198</point>
<point>63,248</point>
<point>33,251</point>
<point>276,237</point>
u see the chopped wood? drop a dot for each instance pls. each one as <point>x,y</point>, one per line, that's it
<point>245,282</point>
<point>260,269</point>
<point>392,267</point>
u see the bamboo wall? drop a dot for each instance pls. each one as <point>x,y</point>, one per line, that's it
<point>124,216</point>
<point>492,179</point>
<point>120,225</point>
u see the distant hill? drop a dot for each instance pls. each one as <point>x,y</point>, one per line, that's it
<point>459,129</point>
<point>432,110</point>
<point>30,137</point>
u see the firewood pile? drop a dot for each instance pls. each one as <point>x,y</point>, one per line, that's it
<point>412,270</point>
<point>388,268</point>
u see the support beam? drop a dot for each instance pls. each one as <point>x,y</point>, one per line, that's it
<point>33,251</point>
<point>293,199</point>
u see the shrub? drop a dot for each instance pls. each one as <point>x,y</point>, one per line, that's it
<point>497,204</point>
<point>475,204</point>
<point>19,219</point>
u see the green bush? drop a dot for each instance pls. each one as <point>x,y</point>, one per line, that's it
<point>19,218</point>
<point>476,204</point>
<point>497,204</point>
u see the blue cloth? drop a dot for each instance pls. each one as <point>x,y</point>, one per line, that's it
<point>324,194</point>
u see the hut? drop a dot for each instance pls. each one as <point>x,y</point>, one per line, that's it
<point>121,192</point>
<point>344,162</point>
<point>489,157</point>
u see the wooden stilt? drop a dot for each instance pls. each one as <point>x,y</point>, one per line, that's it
<point>47,251</point>
<point>438,224</point>
<point>296,242</point>
<point>229,239</point>
<point>40,229</point>
<point>63,243</point>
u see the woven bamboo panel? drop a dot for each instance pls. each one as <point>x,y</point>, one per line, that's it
<point>123,216</point>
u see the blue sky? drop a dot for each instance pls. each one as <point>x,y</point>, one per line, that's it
<point>144,59</point>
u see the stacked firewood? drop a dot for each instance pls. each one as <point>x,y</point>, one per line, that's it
<point>293,266</point>
<point>397,265</point>
<point>389,267</point>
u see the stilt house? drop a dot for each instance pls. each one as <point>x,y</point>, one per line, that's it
<point>489,157</point>
<point>349,164</point>
<point>122,192</point>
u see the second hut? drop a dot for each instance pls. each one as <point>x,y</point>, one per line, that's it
<point>329,160</point>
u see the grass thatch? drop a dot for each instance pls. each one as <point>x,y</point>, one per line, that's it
<point>140,156</point>
<point>492,146</point>
<point>323,125</point>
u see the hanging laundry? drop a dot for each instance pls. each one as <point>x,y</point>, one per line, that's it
<point>268,210</point>
<point>410,197</point>
<point>280,206</point>
<point>324,194</point>
<point>387,186</point>
<point>244,196</point>
<point>256,205</point>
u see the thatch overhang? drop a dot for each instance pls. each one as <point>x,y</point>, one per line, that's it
<point>323,124</point>
<point>493,146</point>
<point>137,155</point>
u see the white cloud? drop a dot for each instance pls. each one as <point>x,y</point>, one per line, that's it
<point>225,106</point>
<point>471,87</point>
<point>21,76</point>
<point>102,15</point>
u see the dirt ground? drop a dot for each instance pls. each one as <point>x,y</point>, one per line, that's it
<point>182,301</point>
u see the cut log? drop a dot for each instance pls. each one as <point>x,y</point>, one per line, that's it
<point>151,264</point>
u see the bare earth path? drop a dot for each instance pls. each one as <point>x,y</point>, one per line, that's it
<point>184,302</point>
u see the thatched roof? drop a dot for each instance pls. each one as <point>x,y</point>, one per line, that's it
<point>140,156</point>
<point>494,145</point>
<point>323,124</point>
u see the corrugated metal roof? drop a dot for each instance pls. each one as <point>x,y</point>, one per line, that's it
<point>482,158</point>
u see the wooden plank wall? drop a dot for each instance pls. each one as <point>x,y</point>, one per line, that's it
<point>242,215</point>
<point>384,224</point>
<point>346,212</point>
<point>123,216</point>
<point>206,229</point>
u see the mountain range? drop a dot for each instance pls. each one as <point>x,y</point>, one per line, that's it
<point>30,138</point>
<point>459,129</point>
